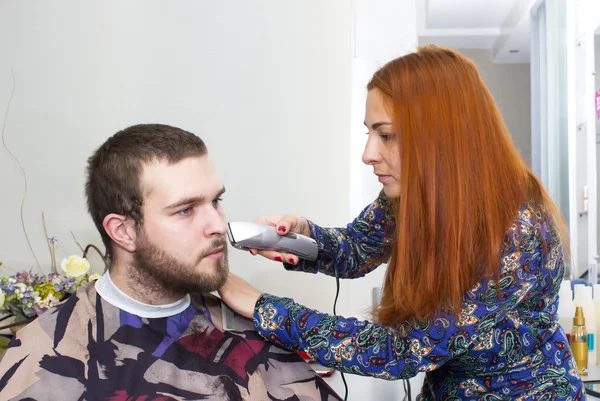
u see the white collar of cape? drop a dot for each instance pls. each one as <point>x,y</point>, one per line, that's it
<point>114,296</point>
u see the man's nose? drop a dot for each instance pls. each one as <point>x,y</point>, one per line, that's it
<point>215,224</point>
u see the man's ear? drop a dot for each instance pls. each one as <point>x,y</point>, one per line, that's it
<point>121,230</point>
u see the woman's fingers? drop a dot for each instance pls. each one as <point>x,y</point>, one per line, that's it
<point>276,256</point>
<point>285,224</point>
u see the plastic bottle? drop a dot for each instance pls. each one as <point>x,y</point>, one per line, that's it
<point>566,307</point>
<point>589,311</point>
<point>579,339</point>
<point>577,292</point>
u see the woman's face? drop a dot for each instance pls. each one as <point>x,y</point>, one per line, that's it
<point>381,150</point>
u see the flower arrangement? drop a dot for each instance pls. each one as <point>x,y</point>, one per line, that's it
<point>27,295</point>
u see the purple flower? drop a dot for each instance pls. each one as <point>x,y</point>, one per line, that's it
<point>39,309</point>
<point>53,239</point>
<point>68,282</point>
<point>22,277</point>
<point>8,288</point>
<point>28,312</point>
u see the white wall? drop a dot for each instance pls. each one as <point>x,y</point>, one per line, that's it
<point>271,87</point>
<point>265,84</point>
<point>510,87</point>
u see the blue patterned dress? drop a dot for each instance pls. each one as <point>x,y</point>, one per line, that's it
<point>509,350</point>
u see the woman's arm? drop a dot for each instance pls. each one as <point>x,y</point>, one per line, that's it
<point>358,248</point>
<point>366,348</point>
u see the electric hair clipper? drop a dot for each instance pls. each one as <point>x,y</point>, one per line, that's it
<point>245,235</point>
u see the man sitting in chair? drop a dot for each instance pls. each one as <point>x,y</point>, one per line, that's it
<point>148,329</point>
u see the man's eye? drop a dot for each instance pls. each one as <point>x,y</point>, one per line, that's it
<point>185,212</point>
<point>217,202</point>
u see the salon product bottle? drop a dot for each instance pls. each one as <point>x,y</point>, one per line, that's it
<point>584,298</point>
<point>577,292</point>
<point>566,307</point>
<point>579,342</point>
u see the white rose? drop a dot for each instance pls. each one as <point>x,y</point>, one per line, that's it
<point>75,266</point>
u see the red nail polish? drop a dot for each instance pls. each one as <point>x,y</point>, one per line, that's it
<point>278,258</point>
<point>281,229</point>
<point>293,261</point>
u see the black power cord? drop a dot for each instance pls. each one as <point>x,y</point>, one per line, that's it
<point>337,293</point>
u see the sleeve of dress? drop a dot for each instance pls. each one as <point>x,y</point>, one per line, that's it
<point>357,249</point>
<point>370,349</point>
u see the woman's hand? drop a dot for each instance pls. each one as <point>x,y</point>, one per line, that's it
<point>283,225</point>
<point>239,295</point>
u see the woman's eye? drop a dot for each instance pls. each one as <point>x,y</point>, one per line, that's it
<point>386,137</point>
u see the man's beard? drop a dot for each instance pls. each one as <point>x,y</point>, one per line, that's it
<point>153,267</point>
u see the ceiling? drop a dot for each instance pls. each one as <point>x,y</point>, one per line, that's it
<point>501,26</point>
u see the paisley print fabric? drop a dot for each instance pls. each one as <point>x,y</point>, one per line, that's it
<point>357,249</point>
<point>87,349</point>
<point>507,349</point>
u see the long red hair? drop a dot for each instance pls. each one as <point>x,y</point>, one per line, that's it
<point>462,183</point>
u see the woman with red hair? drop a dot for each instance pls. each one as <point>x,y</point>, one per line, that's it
<point>473,243</point>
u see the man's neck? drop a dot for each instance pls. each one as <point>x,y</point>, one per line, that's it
<point>143,288</point>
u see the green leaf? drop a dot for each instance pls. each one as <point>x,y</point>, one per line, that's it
<point>19,317</point>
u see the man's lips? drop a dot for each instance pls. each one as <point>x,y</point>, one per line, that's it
<point>215,253</point>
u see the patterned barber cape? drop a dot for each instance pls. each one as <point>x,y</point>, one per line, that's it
<point>88,349</point>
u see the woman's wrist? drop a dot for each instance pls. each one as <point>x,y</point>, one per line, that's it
<point>305,227</point>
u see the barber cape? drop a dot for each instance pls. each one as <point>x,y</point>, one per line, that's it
<point>90,349</point>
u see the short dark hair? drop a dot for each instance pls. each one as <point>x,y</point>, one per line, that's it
<point>114,169</point>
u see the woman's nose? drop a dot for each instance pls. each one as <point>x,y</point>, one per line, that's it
<point>371,154</point>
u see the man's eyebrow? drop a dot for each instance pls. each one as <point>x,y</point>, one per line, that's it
<point>193,199</point>
<point>378,124</point>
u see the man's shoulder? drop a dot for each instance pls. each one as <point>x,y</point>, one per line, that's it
<point>58,335</point>
<point>80,306</point>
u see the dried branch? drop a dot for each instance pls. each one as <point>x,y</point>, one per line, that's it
<point>22,322</point>
<point>50,243</point>
<point>77,242</point>
<point>86,250</point>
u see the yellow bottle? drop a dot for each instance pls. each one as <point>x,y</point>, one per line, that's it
<point>579,342</point>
